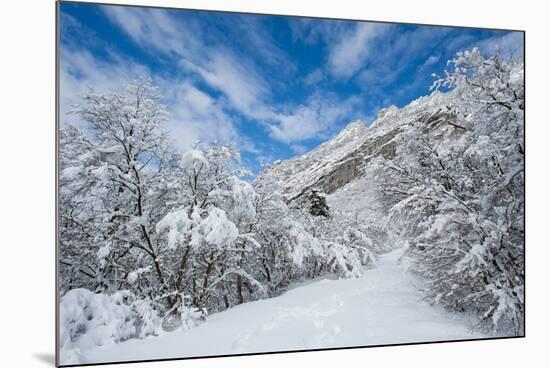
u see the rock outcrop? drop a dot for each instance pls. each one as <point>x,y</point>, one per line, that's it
<point>343,158</point>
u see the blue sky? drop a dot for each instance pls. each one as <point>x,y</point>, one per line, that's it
<point>273,86</point>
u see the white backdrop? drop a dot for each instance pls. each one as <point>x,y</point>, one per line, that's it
<point>27,181</point>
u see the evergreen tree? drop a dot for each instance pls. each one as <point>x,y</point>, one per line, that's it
<point>318,203</point>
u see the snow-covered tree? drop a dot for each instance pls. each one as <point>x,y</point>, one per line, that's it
<point>185,232</point>
<point>207,233</point>
<point>456,192</point>
<point>111,181</point>
<point>284,243</point>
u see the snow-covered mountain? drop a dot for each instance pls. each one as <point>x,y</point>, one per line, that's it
<point>342,159</point>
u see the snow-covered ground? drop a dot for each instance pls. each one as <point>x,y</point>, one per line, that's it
<point>381,307</point>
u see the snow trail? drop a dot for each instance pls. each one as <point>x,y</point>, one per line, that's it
<point>381,307</point>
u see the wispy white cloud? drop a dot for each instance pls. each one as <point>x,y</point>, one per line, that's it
<point>376,54</point>
<point>510,45</point>
<point>311,31</point>
<point>298,148</point>
<point>432,59</point>
<point>315,77</point>
<point>259,42</point>
<point>158,32</point>
<point>195,115</point>
<point>349,55</point>
<point>80,70</point>
<point>154,29</point>
<point>237,78</point>
<point>404,54</point>
<point>314,119</point>
<point>369,52</point>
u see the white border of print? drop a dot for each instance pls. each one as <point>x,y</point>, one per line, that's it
<point>27,183</point>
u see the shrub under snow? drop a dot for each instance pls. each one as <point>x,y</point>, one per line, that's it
<point>88,319</point>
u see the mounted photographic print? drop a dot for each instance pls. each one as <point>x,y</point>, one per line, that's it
<point>233,183</point>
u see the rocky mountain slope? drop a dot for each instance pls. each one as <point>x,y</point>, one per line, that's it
<point>342,159</point>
